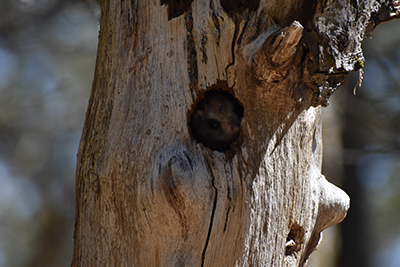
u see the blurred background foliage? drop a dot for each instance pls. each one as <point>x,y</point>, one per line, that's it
<point>47,59</point>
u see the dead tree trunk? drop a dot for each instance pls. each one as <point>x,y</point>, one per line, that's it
<point>149,194</point>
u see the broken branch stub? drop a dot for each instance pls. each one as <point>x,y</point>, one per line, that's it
<point>285,43</point>
<point>271,53</point>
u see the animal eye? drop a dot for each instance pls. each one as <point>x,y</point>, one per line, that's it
<point>214,124</point>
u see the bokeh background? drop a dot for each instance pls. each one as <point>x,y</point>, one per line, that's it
<point>47,59</point>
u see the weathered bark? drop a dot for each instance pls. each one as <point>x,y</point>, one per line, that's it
<point>149,195</point>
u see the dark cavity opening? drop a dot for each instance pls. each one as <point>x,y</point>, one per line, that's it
<point>176,7</point>
<point>215,121</point>
<point>294,239</point>
<point>239,6</point>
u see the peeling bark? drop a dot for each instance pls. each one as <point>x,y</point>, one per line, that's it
<point>148,194</point>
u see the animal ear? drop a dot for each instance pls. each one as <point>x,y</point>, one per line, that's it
<point>198,114</point>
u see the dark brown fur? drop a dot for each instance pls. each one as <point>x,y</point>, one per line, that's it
<point>216,120</point>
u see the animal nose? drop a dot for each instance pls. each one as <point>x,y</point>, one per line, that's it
<point>235,127</point>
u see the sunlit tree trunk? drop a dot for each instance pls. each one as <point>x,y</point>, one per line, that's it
<point>149,194</point>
